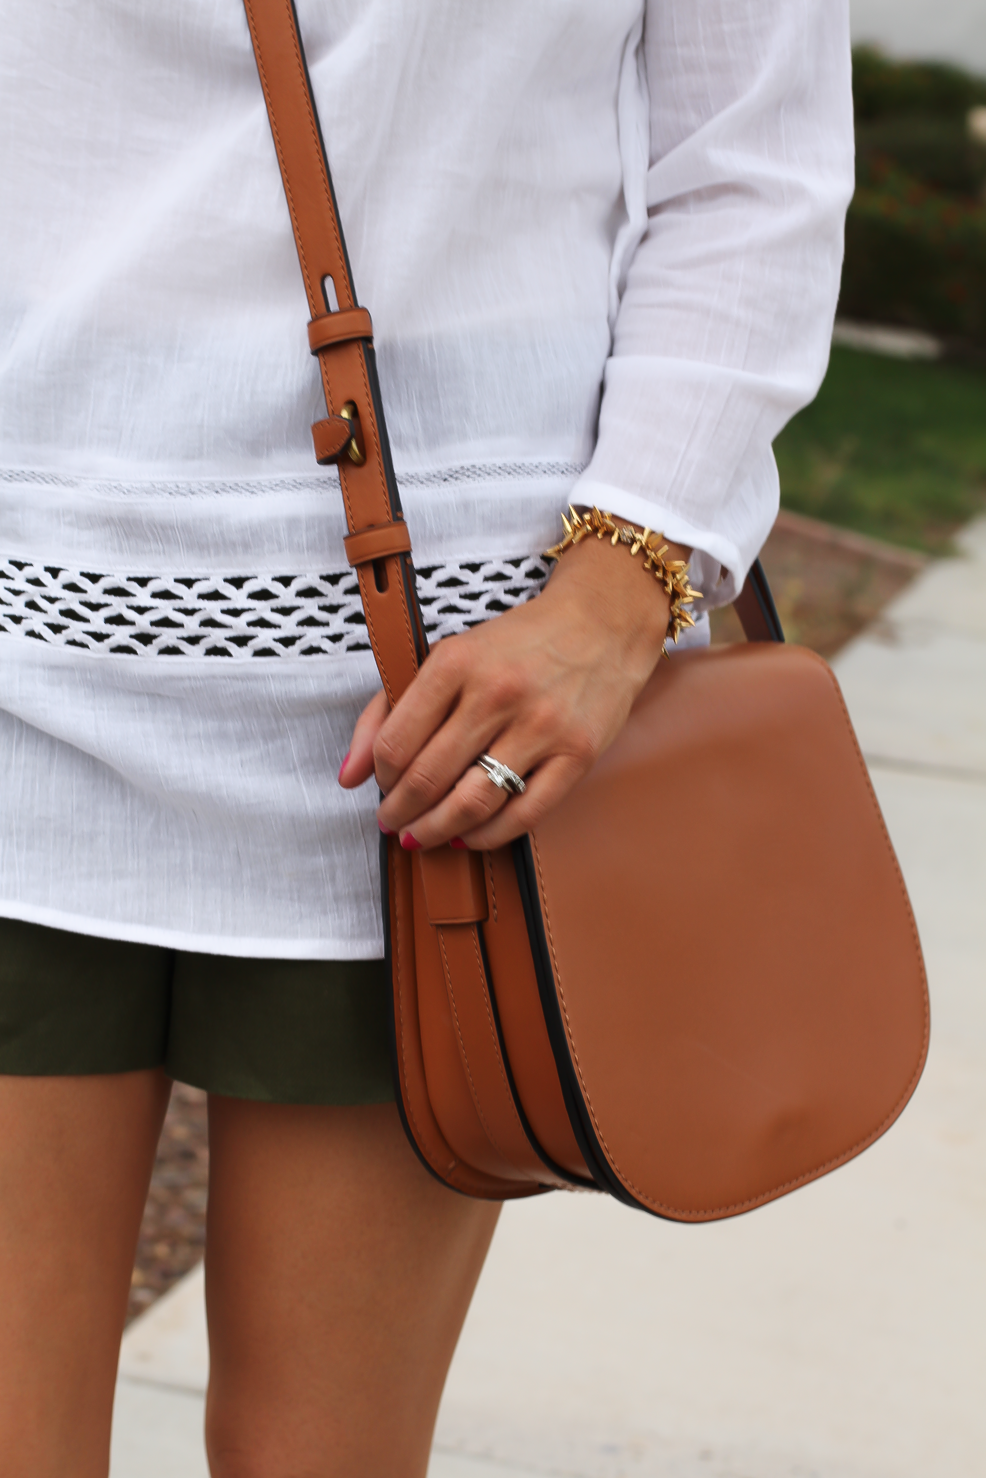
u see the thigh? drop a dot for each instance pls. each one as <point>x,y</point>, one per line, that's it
<point>75,1160</point>
<point>338,1274</point>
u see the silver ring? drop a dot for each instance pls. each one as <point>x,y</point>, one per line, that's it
<point>501,775</point>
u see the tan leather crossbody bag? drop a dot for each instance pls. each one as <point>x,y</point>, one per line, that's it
<point>560,1016</point>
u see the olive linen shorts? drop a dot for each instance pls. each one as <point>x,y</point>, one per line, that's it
<point>281,1031</point>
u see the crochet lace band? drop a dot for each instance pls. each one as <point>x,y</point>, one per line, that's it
<point>268,615</point>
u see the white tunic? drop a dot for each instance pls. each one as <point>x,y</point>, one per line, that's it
<point>540,199</point>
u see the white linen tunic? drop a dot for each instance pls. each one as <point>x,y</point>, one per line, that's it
<point>540,200</point>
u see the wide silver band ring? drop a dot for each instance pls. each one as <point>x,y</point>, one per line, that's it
<point>501,775</point>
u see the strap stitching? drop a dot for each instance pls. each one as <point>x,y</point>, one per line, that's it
<point>488,859</point>
<point>462,1051</point>
<point>296,231</point>
<point>496,1042</point>
<point>400,1011</point>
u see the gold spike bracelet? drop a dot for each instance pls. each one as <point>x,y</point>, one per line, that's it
<point>670,574</point>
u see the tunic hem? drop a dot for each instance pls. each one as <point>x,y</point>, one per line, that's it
<point>245,947</point>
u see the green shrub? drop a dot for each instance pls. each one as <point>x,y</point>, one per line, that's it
<point>916,229</point>
<point>915,256</point>
<point>936,151</point>
<point>885,89</point>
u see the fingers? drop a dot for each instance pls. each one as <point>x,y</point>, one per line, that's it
<point>472,800</point>
<point>443,770</point>
<point>549,784</point>
<point>481,815</point>
<point>447,718</point>
<point>357,767</point>
<point>419,712</point>
<point>544,687</point>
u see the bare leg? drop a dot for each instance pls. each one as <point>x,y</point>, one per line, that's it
<point>75,1160</point>
<point>338,1274</point>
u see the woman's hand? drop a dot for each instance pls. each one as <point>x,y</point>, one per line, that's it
<point>545,688</point>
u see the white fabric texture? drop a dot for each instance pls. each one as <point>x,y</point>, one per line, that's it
<point>539,201</point>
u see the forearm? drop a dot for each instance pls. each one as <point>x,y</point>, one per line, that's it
<point>724,326</point>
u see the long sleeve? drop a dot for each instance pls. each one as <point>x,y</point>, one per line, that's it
<point>724,325</point>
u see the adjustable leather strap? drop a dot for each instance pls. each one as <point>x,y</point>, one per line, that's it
<point>755,607</point>
<point>342,341</point>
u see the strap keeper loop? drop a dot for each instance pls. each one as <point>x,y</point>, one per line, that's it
<point>378,543</point>
<point>339,328</point>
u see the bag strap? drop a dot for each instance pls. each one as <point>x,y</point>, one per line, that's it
<point>755,607</point>
<point>354,434</point>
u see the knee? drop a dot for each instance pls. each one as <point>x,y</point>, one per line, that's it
<point>296,1440</point>
<point>267,1439</point>
<point>240,1459</point>
<point>237,1443</point>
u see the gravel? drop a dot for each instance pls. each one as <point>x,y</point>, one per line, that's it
<point>172,1236</point>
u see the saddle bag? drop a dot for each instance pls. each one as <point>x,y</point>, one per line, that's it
<point>562,1014</point>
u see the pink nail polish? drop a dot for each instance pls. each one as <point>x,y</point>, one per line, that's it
<point>410,843</point>
<point>385,829</point>
<point>343,765</point>
<point>458,844</point>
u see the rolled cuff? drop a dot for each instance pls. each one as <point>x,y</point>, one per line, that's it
<point>718,564</point>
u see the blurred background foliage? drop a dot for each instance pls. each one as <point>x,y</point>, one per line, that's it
<point>916,230</point>
<point>892,448</point>
<point>896,448</point>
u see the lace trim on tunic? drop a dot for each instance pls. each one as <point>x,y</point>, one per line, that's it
<point>242,615</point>
<point>458,474</point>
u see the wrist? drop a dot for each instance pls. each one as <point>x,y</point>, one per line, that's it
<point>632,581</point>
<point>615,593</point>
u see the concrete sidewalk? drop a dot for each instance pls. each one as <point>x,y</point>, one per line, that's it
<point>837,1333</point>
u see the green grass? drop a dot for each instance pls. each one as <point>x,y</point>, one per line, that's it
<point>892,448</point>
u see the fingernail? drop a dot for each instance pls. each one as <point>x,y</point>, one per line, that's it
<point>343,765</point>
<point>387,831</point>
<point>458,844</point>
<point>410,843</point>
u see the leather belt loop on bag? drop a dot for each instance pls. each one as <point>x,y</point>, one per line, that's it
<point>453,894</point>
<point>339,328</point>
<point>370,544</point>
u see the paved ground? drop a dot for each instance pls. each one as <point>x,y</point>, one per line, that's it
<point>836,1334</point>
<point>172,1233</point>
<point>829,584</point>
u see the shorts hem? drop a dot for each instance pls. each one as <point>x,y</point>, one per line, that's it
<point>312,1098</point>
<point>100,1071</point>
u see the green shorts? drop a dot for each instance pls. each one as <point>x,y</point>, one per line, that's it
<point>282,1031</point>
